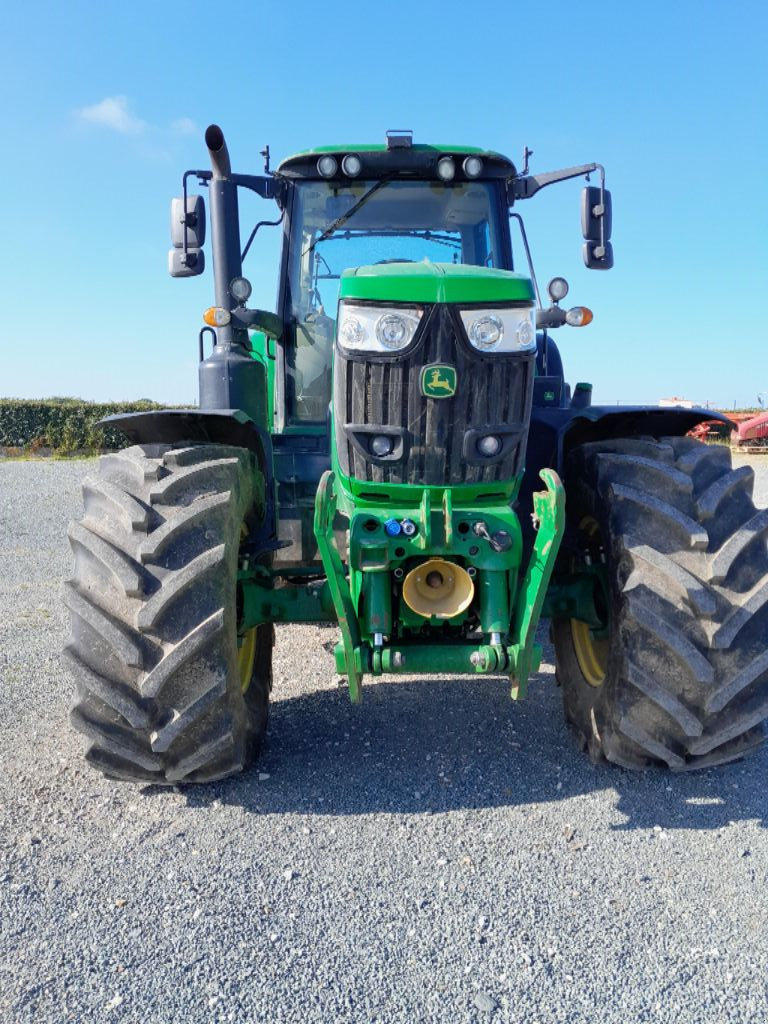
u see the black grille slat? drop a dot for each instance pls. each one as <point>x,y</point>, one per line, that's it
<point>376,405</point>
<point>416,422</point>
<point>359,388</point>
<point>491,390</point>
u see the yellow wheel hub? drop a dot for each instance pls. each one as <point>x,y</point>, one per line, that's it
<point>246,657</point>
<point>591,653</point>
<point>246,644</point>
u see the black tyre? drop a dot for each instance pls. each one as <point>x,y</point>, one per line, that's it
<point>166,691</point>
<point>678,676</point>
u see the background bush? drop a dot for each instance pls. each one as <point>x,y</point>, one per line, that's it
<point>63,424</point>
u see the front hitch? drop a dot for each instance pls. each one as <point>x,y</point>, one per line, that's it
<point>518,657</point>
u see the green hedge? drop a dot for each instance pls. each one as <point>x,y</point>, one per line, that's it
<point>63,424</point>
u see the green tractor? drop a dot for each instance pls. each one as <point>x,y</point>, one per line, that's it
<point>359,457</point>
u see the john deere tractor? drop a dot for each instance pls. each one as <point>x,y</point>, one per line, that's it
<point>391,451</point>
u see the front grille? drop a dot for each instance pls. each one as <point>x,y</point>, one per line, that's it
<point>492,391</point>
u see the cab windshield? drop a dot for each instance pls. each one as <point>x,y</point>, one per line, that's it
<point>337,226</point>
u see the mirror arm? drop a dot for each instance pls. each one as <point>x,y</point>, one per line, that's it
<point>267,188</point>
<point>525,187</point>
<point>259,320</point>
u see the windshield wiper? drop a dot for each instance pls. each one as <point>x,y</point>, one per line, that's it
<point>350,213</point>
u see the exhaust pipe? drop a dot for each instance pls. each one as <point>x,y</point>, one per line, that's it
<point>225,229</point>
<point>217,151</point>
<point>229,377</point>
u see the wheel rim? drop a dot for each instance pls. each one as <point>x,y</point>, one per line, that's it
<point>246,642</point>
<point>246,657</point>
<point>591,652</point>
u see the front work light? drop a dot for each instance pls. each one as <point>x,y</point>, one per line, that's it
<point>557,288</point>
<point>473,166</point>
<point>377,328</point>
<point>240,288</point>
<point>351,165</point>
<point>446,168</point>
<point>327,166</point>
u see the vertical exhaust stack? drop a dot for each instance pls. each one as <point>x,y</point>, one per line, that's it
<point>225,230</point>
<point>218,152</point>
<point>229,378</point>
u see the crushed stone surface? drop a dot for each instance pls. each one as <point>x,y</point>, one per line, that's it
<point>437,854</point>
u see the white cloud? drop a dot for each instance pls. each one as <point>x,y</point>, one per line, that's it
<point>113,112</point>
<point>183,126</point>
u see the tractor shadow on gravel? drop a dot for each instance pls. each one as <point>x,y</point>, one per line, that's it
<point>437,745</point>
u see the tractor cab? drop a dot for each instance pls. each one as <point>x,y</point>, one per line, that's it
<point>373,206</point>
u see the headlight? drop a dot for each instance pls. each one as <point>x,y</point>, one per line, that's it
<point>500,330</point>
<point>377,328</point>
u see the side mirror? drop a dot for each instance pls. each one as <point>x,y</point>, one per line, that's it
<point>596,256</point>
<point>192,221</point>
<point>187,222</point>
<point>592,213</point>
<point>189,264</point>
<point>596,226</point>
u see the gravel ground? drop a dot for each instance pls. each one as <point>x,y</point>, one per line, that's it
<point>436,854</point>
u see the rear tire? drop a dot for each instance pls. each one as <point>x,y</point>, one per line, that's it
<point>680,676</point>
<point>153,603</point>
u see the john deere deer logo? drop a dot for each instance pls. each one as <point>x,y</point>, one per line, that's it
<point>438,381</point>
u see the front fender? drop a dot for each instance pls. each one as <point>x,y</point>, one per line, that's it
<point>555,432</point>
<point>211,426</point>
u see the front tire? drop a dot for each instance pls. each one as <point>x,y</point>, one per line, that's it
<point>678,675</point>
<point>165,692</point>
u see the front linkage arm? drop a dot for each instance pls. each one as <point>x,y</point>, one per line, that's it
<point>549,522</point>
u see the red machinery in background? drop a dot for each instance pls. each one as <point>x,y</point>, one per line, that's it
<point>750,431</point>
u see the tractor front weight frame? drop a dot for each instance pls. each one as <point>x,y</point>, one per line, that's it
<point>361,595</point>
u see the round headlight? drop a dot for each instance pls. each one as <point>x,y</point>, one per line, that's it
<point>393,330</point>
<point>557,288</point>
<point>489,445</point>
<point>473,166</point>
<point>381,445</point>
<point>486,332</point>
<point>446,168</point>
<point>240,288</point>
<point>351,165</point>
<point>352,331</point>
<point>327,166</point>
<point>525,333</point>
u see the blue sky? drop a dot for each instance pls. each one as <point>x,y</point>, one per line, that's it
<point>103,106</point>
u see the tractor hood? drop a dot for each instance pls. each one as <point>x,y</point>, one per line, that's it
<point>428,283</point>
